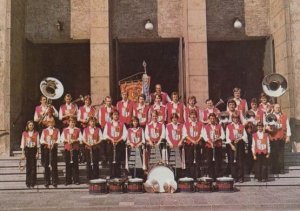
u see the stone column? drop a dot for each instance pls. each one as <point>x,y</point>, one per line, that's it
<point>99,50</point>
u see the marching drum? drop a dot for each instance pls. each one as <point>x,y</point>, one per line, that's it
<point>97,186</point>
<point>116,185</point>
<point>163,175</point>
<point>204,184</point>
<point>186,184</point>
<point>224,184</point>
<point>135,185</point>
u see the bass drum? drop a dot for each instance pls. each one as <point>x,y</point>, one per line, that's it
<point>162,174</point>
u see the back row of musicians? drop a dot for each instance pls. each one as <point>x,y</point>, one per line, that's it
<point>166,123</point>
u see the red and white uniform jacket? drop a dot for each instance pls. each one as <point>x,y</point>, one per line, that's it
<point>241,105</point>
<point>50,136</point>
<point>264,107</point>
<point>175,108</point>
<point>30,139</point>
<point>239,114</point>
<point>235,132</point>
<point>213,134</point>
<point>70,135</point>
<point>187,111</point>
<point>206,112</point>
<point>155,132</point>
<point>92,135</point>
<point>40,110</point>
<point>135,136</point>
<point>164,97</point>
<point>259,117</point>
<point>174,133</point>
<point>84,113</point>
<point>141,112</point>
<point>283,129</point>
<point>125,109</point>
<point>260,143</point>
<point>192,130</point>
<point>115,131</point>
<point>161,110</point>
<point>104,115</point>
<point>67,109</point>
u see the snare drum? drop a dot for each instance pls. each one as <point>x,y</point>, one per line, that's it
<point>97,186</point>
<point>224,184</point>
<point>116,185</point>
<point>186,184</point>
<point>204,184</point>
<point>135,185</point>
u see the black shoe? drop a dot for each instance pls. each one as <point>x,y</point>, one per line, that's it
<point>28,186</point>
<point>55,185</point>
<point>67,183</point>
<point>46,186</point>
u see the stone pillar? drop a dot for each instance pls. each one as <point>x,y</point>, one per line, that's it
<point>99,50</point>
<point>196,66</point>
<point>5,28</point>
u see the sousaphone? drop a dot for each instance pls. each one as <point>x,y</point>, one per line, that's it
<point>51,88</point>
<point>274,85</point>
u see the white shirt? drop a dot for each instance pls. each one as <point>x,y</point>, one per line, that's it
<point>206,136</point>
<point>44,109</point>
<point>115,124</point>
<point>135,130</point>
<point>71,131</point>
<point>69,107</point>
<point>92,131</point>
<point>43,139</point>
<point>236,126</point>
<point>163,131</point>
<point>23,141</point>
<point>260,136</point>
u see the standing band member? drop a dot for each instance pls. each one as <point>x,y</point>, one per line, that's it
<point>50,138</point>
<point>192,133</point>
<point>140,110</point>
<point>71,137</point>
<point>175,107</point>
<point>124,108</point>
<point>191,106</point>
<point>67,110</point>
<point>236,138</point>
<point>92,137</point>
<point>164,96</point>
<point>264,103</point>
<point>159,108</point>
<point>241,104</point>
<point>213,134</point>
<point>30,145</point>
<point>232,110</point>
<point>208,110</point>
<point>261,152</point>
<point>115,133</point>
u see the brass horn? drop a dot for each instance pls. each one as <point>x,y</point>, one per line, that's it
<point>274,85</point>
<point>51,88</point>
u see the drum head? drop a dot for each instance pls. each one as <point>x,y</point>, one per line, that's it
<point>97,181</point>
<point>116,180</point>
<point>135,180</point>
<point>186,179</point>
<point>225,179</point>
<point>205,179</point>
<point>161,174</point>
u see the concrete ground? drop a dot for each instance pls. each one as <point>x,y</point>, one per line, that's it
<point>247,198</point>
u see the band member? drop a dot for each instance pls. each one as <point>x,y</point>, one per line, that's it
<point>155,134</point>
<point>159,108</point>
<point>92,137</point>
<point>241,104</point>
<point>208,110</point>
<point>125,107</point>
<point>29,145</point>
<point>236,137</point>
<point>231,105</point>
<point>85,112</point>
<point>264,103</point>
<point>140,110</point>
<point>115,133</point>
<point>164,96</point>
<point>259,114</point>
<point>135,140</point>
<point>261,152</point>
<point>193,147</point>
<point>213,134</point>
<point>50,138</point>
<point>279,135</point>
<point>191,106</point>
<point>67,110</point>
<point>175,107</point>
<point>104,114</point>
<point>71,137</point>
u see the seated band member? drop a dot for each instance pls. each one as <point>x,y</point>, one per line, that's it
<point>175,107</point>
<point>261,152</point>
<point>71,137</point>
<point>92,137</point>
<point>135,140</point>
<point>208,110</point>
<point>236,137</point>
<point>192,134</point>
<point>159,108</point>
<point>85,112</point>
<point>191,106</point>
<point>155,134</point>
<point>67,110</point>
<point>30,145</point>
<point>125,108</point>
<point>174,132</point>
<point>140,110</point>
<point>164,96</point>
<point>213,134</point>
<point>115,133</point>
<point>50,138</point>
<point>241,104</point>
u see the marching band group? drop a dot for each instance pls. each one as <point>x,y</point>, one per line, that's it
<point>203,136</point>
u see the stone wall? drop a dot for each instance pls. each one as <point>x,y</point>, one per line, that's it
<point>80,19</point>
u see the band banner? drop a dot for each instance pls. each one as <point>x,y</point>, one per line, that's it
<point>133,88</point>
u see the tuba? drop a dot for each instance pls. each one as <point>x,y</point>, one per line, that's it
<point>274,85</point>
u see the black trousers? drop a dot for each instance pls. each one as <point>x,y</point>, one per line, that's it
<point>119,158</point>
<point>30,154</point>
<point>50,172</point>
<point>214,168</point>
<point>249,166</point>
<point>236,160</point>
<point>193,160</point>
<point>72,169</point>
<point>92,163</point>
<point>261,167</point>
<point>103,154</point>
<point>277,156</point>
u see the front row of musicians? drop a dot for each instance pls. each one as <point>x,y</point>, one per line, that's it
<point>196,142</point>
